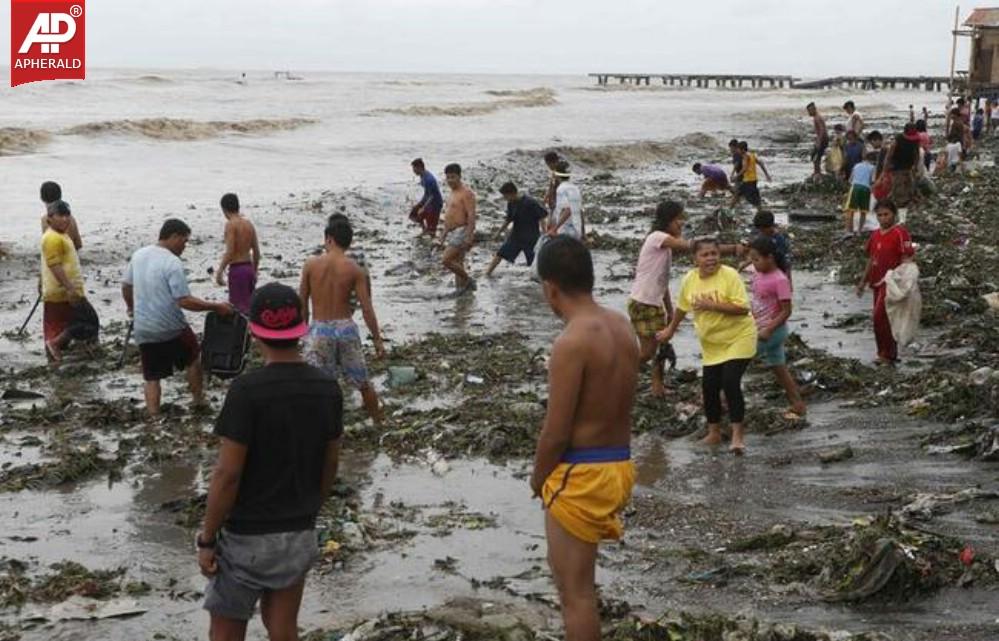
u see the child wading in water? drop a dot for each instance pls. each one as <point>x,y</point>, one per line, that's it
<point>771,309</point>
<point>887,248</point>
<point>716,295</point>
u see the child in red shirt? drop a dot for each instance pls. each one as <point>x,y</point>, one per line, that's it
<point>886,249</point>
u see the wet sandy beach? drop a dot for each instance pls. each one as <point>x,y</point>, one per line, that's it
<point>437,507</point>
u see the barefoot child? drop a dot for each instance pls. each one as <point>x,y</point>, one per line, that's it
<point>241,257</point>
<point>582,467</point>
<point>527,216</point>
<point>715,178</point>
<point>459,229</point>
<point>727,333</point>
<point>771,309</point>
<point>859,198</point>
<point>886,249</point>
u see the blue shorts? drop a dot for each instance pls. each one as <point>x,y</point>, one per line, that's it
<point>511,249</point>
<point>771,351</point>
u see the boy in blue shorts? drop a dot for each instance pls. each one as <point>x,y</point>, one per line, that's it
<point>527,216</point>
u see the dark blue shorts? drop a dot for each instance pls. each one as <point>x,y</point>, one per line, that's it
<point>511,249</point>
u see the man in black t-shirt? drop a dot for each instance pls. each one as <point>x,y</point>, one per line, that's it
<point>527,215</point>
<point>280,431</point>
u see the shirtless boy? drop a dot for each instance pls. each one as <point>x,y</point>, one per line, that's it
<point>459,228</point>
<point>582,467</point>
<point>821,137</point>
<point>242,255</point>
<point>334,342</point>
<point>51,194</point>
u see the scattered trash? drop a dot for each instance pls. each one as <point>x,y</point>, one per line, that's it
<point>836,455</point>
<point>401,375</point>
<point>926,505</point>
<point>80,608</point>
<point>14,394</point>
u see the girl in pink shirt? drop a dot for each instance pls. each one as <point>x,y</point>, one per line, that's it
<point>771,309</point>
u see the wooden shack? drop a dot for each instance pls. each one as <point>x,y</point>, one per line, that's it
<point>982,27</point>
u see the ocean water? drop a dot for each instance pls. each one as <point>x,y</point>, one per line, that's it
<point>188,139</point>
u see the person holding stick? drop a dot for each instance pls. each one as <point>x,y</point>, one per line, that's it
<point>66,314</point>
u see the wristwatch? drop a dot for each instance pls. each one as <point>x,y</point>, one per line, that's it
<point>204,545</point>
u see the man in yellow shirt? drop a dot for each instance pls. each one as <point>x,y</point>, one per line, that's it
<point>66,315</point>
<point>747,178</point>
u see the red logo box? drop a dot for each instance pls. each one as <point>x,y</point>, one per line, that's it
<point>47,41</point>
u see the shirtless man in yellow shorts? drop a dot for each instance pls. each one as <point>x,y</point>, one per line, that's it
<point>582,467</point>
<point>459,228</point>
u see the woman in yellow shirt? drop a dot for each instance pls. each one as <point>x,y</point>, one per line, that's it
<point>726,331</point>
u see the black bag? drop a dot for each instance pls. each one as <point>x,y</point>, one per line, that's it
<point>225,345</point>
<point>84,326</point>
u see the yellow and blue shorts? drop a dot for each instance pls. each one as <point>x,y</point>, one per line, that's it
<point>588,490</point>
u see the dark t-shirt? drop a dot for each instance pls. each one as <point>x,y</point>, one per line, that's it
<point>906,154</point>
<point>432,198</point>
<point>285,414</point>
<point>525,214</point>
<point>853,154</point>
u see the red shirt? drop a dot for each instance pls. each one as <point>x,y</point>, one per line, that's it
<point>886,250</point>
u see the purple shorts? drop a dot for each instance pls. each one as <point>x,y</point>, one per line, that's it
<point>242,282</point>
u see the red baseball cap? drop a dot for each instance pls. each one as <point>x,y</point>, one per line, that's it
<point>276,313</point>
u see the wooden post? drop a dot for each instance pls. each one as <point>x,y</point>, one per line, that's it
<point>953,49</point>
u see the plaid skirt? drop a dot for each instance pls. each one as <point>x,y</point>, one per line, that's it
<point>646,319</point>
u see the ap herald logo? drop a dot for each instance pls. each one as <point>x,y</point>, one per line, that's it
<point>47,41</point>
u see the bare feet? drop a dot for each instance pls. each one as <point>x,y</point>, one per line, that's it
<point>714,436</point>
<point>658,389</point>
<point>55,353</point>
<point>738,446</point>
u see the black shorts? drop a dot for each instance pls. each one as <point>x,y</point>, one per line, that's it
<point>512,248</point>
<point>161,360</point>
<point>751,192</point>
<point>819,150</point>
<point>84,325</point>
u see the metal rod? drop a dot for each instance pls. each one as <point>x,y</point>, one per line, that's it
<point>30,314</point>
<point>124,347</point>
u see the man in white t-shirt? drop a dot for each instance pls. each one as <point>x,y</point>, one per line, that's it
<point>567,217</point>
<point>156,292</point>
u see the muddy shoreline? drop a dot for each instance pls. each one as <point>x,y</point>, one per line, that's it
<point>434,507</point>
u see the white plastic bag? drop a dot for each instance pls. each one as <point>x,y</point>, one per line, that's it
<point>903,301</point>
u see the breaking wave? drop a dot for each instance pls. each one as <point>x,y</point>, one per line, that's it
<point>527,98</point>
<point>637,154</point>
<point>15,140</point>
<point>152,79</point>
<point>180,129</point>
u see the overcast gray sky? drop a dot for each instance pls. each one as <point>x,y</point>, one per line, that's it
<point>805,38</point>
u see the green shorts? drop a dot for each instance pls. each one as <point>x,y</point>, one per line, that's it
<point>859,198</point>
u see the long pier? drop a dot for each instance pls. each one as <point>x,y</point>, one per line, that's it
<point>697,80</point>
<point>758,81</point>
<point>929,83</point>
